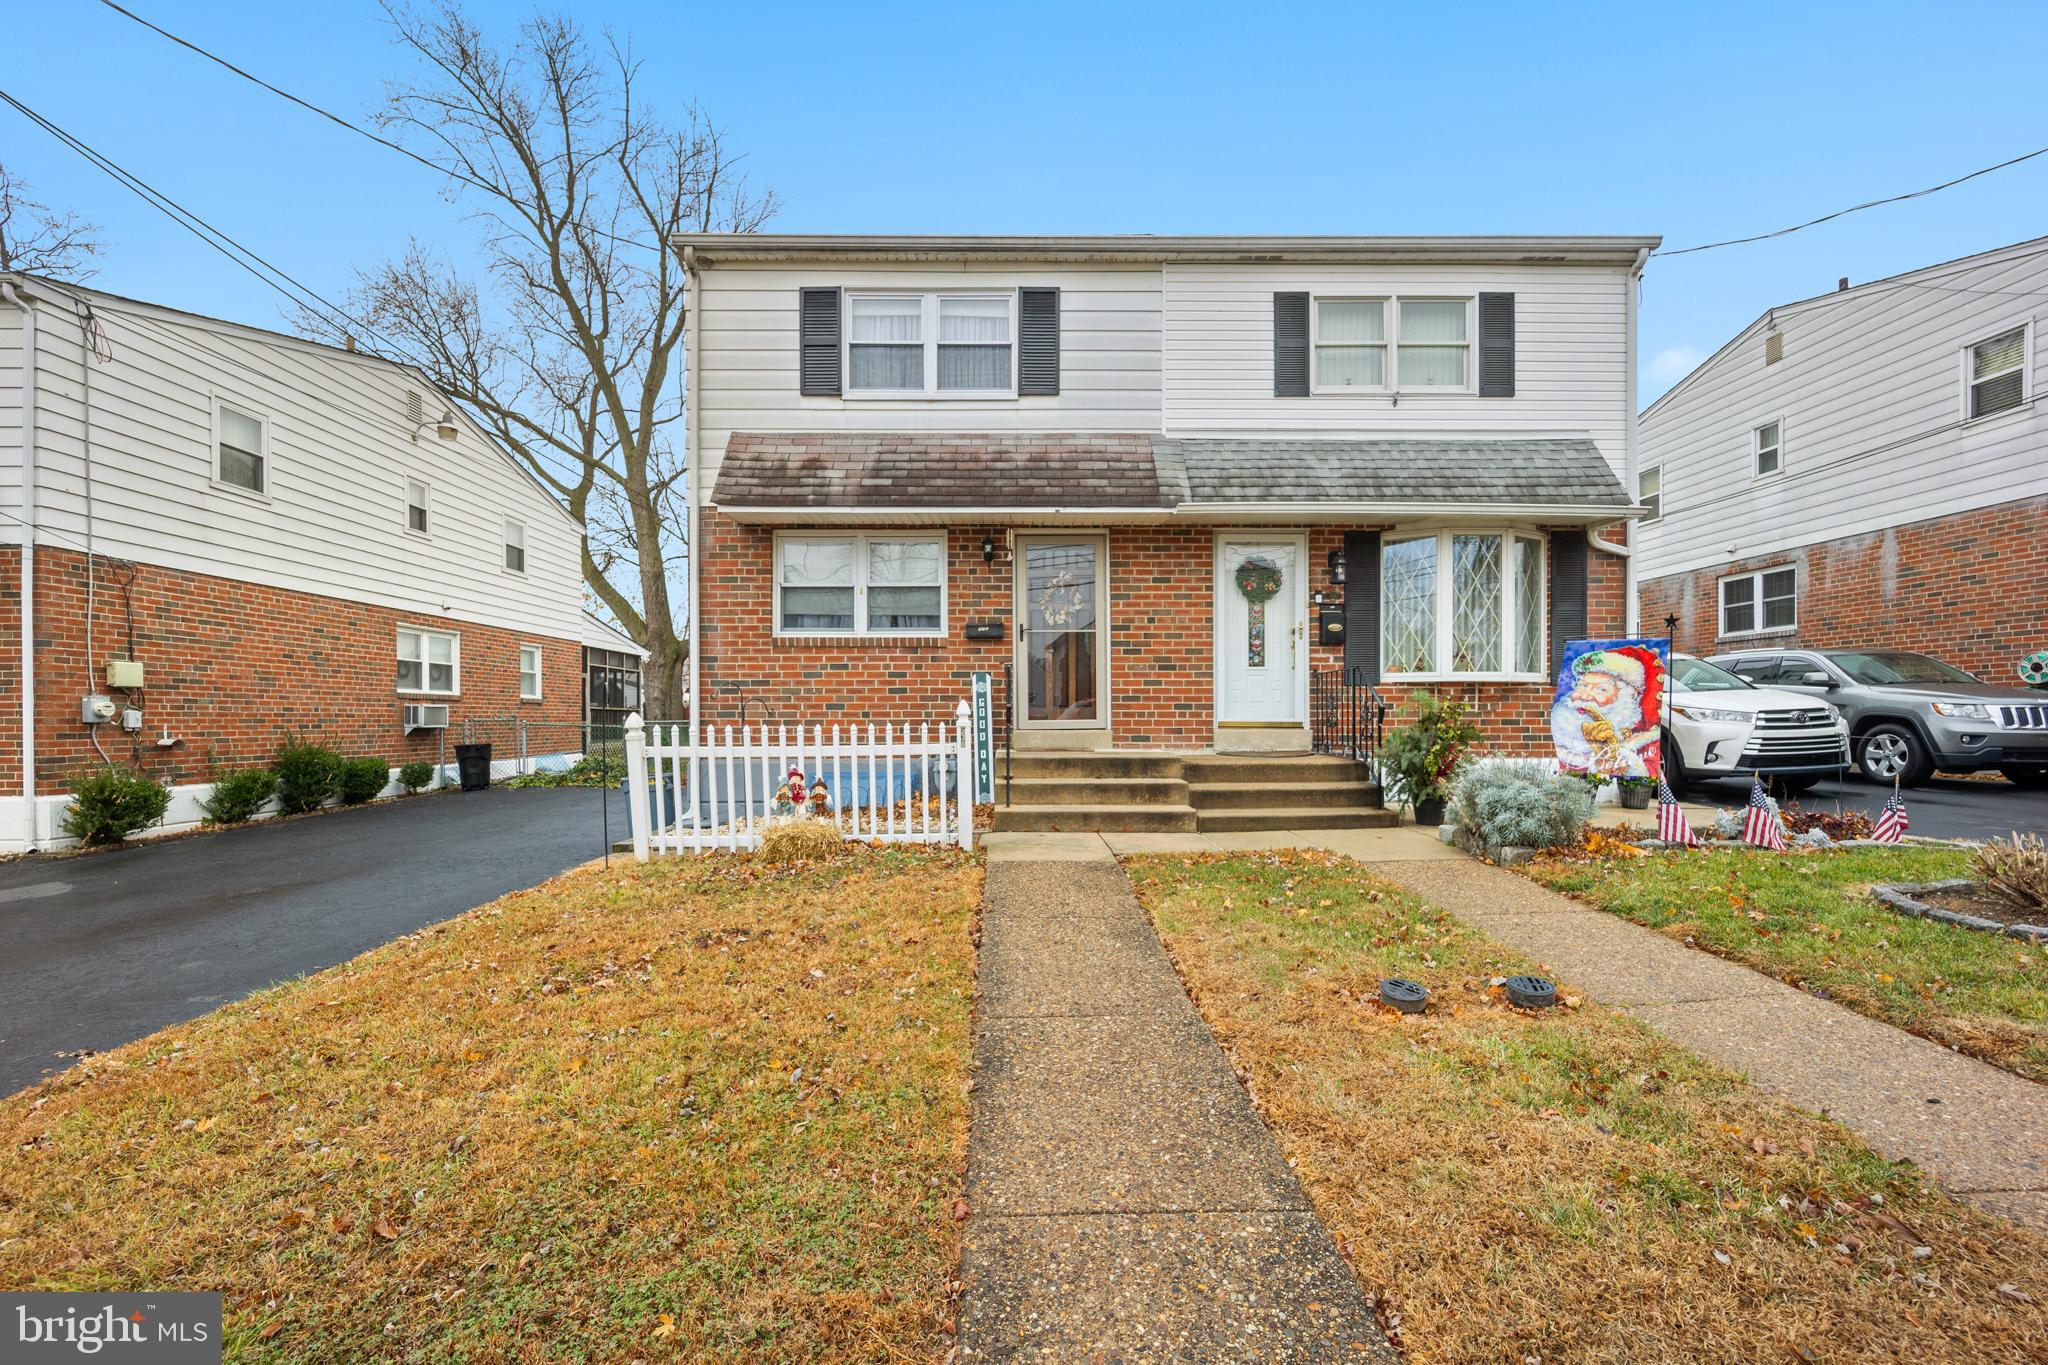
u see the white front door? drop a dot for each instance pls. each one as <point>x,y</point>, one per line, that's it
<point>1261,634</point>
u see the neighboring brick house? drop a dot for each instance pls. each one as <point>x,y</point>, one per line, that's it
<point>1137,469</point>
<point>240,536</point>
<point>1867,468</point>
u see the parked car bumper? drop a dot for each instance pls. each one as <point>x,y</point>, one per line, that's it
<point>1965,746</point>
<point>1711,749</point>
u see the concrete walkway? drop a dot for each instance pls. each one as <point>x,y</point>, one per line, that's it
<point>1983,1132</point>
<point>1126,1203</point>
<point>1402,843</point>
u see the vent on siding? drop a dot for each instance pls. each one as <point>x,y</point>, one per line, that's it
<point>415,408</point>
<point>1774,348</point>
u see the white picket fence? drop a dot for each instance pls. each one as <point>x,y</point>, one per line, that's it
<point>715,789</point>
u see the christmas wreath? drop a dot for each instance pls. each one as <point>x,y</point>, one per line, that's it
<point>1259,580</point>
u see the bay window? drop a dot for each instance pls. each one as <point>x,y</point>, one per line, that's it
<point>860,585</point>
<point>939,343</point>
<point>1462,604</point>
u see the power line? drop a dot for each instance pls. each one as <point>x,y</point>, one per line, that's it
<point>205,231</point>
<point>355,128</point>
<point>1853,208</point>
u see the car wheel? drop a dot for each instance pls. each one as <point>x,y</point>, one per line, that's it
<point>1893,754</point>
<point>2033,779</point>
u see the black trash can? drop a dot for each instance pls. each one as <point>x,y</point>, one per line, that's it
<point>473,762</point>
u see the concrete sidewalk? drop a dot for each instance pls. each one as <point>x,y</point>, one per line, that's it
<point>1983,1132</point>
<point>1126,1202</point>
<point>1400,843</point>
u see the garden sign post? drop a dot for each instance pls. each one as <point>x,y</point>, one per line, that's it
<point>984,740</point>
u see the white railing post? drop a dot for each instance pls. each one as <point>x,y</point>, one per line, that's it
<point>636,783</point>
<point>963,732</point>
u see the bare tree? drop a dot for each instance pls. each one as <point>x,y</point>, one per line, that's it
<point>569,343</point>
<point>36,241</point>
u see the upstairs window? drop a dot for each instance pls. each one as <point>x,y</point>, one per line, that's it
<point>429,662</point>
<point>515,546</point>
<point>1650,492</point>
<point>1436,344</point>
<point>1770,451</point>
<point>860,585</point>
<point>910,344</point>
<point>242,449</point>
<point>1430,341</point>
<point>1351,343</point>
<point>416,506</point>
<point>1995,371</point>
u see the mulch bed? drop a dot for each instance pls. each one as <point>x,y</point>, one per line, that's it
<point>1974,899</point>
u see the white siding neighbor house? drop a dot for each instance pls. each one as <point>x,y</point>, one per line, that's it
<point>1867,468</point>
<point>229,536</point>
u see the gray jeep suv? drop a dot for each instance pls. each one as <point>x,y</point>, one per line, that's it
<point>1910,714</point>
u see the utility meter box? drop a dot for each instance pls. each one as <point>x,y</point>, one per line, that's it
<point>125,673</point>
<point>96,710</point>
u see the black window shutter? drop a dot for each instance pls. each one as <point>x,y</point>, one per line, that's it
<point>1496,345</point>
<point>1362,605</point>
<point>1567,592</point>
<point>818,342</point>
<point>1038,343</point>
<point>1290,349</point>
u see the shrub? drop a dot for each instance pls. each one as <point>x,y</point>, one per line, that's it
<point>2015,870</point>
<point>308,775</point>
<point>239,795</point>
<point>361,779</point>
<point>415,775</point>
<point>800,841</point>
<point>1422,758</point>
<point>1506,803</point>
<point>109,805</point>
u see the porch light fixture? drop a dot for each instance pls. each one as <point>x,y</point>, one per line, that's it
<point>1337,567</point>
<point>988,549</point>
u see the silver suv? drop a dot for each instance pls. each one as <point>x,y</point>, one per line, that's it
<point>1910,714</point>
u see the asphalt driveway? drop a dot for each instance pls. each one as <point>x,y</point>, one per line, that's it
<point>1945,808</point>
<point>103,948</point>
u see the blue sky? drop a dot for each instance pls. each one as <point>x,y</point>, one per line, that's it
<point>1695,123</point>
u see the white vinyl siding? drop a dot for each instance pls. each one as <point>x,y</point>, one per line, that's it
<point>873,585</point>
<point>1874,392</point>
<point>338,447</point>
<point>1760,603</point>
<point>429,663</point>
<point>1462,604</point>
<point>747,353</point>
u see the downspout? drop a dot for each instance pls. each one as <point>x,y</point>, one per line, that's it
<point>693,285</point>
<point>1634,490</point>
<point>28,561</point>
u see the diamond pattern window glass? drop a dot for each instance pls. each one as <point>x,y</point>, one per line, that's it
<point>1408,605</point>
<point>1528,605</point>
<point>1475,604</point>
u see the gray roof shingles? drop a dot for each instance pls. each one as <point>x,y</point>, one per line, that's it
<point>1135,470</point>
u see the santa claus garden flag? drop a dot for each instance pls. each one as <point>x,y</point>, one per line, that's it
<point>1609,703</point>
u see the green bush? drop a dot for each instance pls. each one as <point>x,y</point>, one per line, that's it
<point>308,776</point>
<point>1507,803</point>
<point>239,795</point>
<point>109,805</point>
<point>1422,758</point>
<point>362,779</point>
<point>415,775</point>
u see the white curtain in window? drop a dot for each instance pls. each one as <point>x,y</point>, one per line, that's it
<point>903,584</point>
<point>885,319</point>
<point>974,319</point>
<point>974,367</point>
<point>241,431</point>
<point>886,367</point>
<point>1432,367</point>
<point>1351,320</point>
<point>817,585</point>
<point>1432,320</point>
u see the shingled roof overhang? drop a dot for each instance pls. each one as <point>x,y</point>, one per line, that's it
<point>739,248</point>
<point>837,478</point>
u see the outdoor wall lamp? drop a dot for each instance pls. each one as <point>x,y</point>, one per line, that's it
<point>988,549</point>
<point>1337,567</point>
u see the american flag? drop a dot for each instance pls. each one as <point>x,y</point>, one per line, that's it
<point>1891,821</point>
<point>1671,823</point>
<point>1761,827</point>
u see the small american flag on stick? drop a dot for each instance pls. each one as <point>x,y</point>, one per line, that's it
<point>1672,827</point>
<point>1761,826</point>
<point>1891,821</point>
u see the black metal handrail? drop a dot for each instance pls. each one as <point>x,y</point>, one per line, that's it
<point>1009,716</point>
<point>1346,714</point>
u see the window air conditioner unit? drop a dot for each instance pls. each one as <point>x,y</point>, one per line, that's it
<point>419,716</point>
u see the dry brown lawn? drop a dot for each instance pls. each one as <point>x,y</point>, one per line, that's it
<point>694,1109</point>
<point>1565,1187</point>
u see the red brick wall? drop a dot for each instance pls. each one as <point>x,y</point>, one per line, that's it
<point>232,668</point>
<point>10,671</point>
<point>1966,588</point>
<point>1162,683</point>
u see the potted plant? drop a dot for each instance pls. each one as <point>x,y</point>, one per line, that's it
<point>1635,792</point>
<point>1423,756</point>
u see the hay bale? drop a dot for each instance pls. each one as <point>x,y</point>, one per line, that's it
<point>799,841</point>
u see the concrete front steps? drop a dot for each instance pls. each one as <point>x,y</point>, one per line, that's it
<point>1106,791</point>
